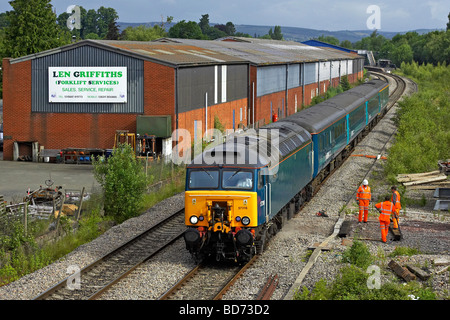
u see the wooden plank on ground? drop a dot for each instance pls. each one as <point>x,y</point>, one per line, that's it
<point>423,275</point>
<point>401,271</point>
<point>396,232</point>
<point>317,244</point>
<point>441,177</point>
<point>416,176</point>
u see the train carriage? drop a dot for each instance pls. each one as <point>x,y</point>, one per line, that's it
<point>240,193</point>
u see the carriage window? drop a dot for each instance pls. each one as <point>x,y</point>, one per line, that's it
<point>237,179</point>
<point>208,179</point>
<point>339,129</point>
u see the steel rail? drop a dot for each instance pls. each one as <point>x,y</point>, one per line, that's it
<point>203,266</point>
<point>52,292</point>
<point>269,288</point>
<point>316,253</point>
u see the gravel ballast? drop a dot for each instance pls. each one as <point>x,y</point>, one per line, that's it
<point>285,255</point>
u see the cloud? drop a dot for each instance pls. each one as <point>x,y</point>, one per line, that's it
<point>399,15</point>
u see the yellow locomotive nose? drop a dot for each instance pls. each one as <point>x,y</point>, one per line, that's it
<point>221,211</point>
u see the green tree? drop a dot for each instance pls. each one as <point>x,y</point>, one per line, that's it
<point>104,17</point>
<point>89,23</point>
<point>346,44</point>
<point>123,181</point>
<point>3,20</point>
<point>274,35</point>
<point>143,33</point>
<point>186,30</point>
<point>32,28</point>
<point>277,35</point>
<point>329,39</point>
<point>402,53</point>
<point>204,23</point>
<point>448,23</point>
<point>230,28</point>
<point>113,31</point>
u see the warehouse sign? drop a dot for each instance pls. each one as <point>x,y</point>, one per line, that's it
<point>87,84</point>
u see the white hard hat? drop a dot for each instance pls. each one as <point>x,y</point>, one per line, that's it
<point>365,182</point>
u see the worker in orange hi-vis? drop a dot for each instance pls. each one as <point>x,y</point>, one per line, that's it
<point>363,196</point>
<point>395,199</point>
<point>385,208</point>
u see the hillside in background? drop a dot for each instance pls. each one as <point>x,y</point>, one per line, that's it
<point>294,33</point>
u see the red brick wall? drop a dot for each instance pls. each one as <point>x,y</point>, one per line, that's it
<point>81,130</point>
<point>78,130</point>
<point>223,111</point>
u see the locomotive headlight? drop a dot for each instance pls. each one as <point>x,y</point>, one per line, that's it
<point>193,219</point>
<point>245,221</point>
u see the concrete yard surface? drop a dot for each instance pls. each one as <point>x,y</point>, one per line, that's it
<point>16,177</point>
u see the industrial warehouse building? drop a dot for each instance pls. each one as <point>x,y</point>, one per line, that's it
<point>78,95</point>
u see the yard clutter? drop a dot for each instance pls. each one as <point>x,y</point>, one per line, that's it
<point>67,210</point>
<point>426,180</point>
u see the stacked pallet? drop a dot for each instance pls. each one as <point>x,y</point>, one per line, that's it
<point>426,180</point>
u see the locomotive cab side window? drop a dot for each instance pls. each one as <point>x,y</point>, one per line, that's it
<point>207,179</point>
<point>237,179</point>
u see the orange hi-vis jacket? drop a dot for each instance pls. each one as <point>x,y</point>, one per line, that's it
<point>395,199</point>
<point>387,208</point>
<point>363,193</point>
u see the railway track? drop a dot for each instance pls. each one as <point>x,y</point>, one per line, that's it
<point>207,281</point>
<point>99,276</point>
<point>203,282</point>
<point>394,96</point>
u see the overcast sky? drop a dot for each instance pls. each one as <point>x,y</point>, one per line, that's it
<point>330,15</point>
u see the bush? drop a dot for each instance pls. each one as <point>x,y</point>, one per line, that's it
<point>404,251</point>
<point>351,283</point>
<point>423,121</point>
<point>358,255</point>
<point>123,181</point>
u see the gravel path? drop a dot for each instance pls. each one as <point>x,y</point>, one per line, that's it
<point>285,255</point>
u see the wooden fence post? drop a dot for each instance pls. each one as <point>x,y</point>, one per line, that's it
<point>25,216</point>
<point>80,204</point>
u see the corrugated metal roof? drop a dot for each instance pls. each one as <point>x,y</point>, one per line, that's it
<point>317,43</point>
<point>173,53</point>
<point>188,52</point>
<point>262,51</point>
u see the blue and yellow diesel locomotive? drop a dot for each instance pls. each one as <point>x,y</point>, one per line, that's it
<point>240,193</point>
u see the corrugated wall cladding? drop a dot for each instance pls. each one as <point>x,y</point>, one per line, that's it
<point>273,79</point>
<point>270,79</point>
<point>358,65</point>
<point>344,67</point>
<point>222,83</point>
<point>335,66</point>
<point>87,56</point>
<point>294,78</point>
<point>324,71</point>
<point>310,72</point>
